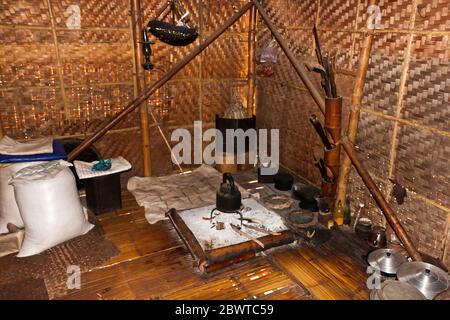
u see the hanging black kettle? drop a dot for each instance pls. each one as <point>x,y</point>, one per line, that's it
<point>228,198</point>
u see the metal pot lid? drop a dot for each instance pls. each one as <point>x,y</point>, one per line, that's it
<point>397,290</point>
<point>429,279</point>
<point>386,260</point>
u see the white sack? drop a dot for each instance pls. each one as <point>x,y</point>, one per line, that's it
<point>10,146</point>
<point>50,207</point>
<point>9,212</point>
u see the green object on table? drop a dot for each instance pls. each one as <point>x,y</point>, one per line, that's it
<point>102,165</point>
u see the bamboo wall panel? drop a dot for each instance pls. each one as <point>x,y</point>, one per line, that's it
<point>164,57</point>
<point>90,105</point>
<point>372,135</point>
<point>431,15</point>
<point>428,87</point>
<point>226,57</point>
<point>425,223</point>
<point>423,164</point>
<point>417,153</point>
<point>338,14</point>
<point>382,83</point>
<point>436,46</point>
<point>395,14</point>
<point>27,58</point>
<point>337,44</point>
<point>95,13</point>
<point>24,12</point>
<point>30,112</point>
<point>215,13</point>
<point>90,57</point>
<point>184,103</point>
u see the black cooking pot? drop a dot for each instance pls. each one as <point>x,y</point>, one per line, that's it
<point>172,34</point>
<point>228,198</point>
<point>307,195</point>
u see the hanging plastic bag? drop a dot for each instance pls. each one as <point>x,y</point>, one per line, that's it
<point>269,54</point>
<point>266,60</point>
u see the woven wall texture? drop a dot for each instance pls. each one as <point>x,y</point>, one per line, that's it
<point>412,115</point>
<point>62,82</point>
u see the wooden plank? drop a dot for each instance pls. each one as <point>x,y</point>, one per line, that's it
<point>107,283</point>
<point>250,281</point>
<point>312,278</point>
<point>126,246</point>
<point>155,276</point>
<point>151,238</point>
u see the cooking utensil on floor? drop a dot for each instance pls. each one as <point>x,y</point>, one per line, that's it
<point>307,195</point>
<point>302,219</point>
<point>396,290</point>
<point>278,201</point>
<point>238,230</point>
<point>377,237</point>
<point>358,215</point>
<point>386,260</point>
<point>262,230</point>
<point>283,181</point>
<point>427,278</point>
<point>363,228</point>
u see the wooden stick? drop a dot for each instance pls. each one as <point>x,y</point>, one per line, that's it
<point>245,235</point>
<point>137,25</point>
<point>1,128</point>
<point>188,237</point>
<point>299,68</point>
<point>157,84</point>
<point>59,67</point>
<point>269,241</point>
<point>353,122</point>
<point>251,61</point>
<point>389,214</point>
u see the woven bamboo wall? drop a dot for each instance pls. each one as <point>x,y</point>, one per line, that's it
<point>404,129</point>
<point>65,83</point>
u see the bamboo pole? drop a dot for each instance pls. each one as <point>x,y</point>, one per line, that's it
<point>299,68</point>
<point>333,119</point>
<point>137,26</point>
<point>251,61</point>
<point>157,84</point>
<point>389,214</point>
<point>59,67</point>
<point>355,110</point>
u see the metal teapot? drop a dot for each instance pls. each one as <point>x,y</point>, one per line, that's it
<point>228,198</point>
